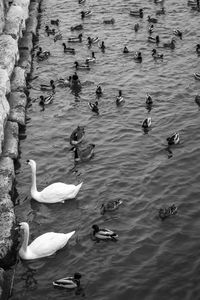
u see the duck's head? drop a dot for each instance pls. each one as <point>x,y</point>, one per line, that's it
<point>95,227</point>
<point>76,63</point>
<point>64,45</point>
<point>96,103</point>
<point>51,82</point>
<point>77,275</point>
<point>46,27</point>
<point>154,51</point>
<point>157,39</point>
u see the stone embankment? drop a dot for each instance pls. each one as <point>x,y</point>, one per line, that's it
<point>18,29</point>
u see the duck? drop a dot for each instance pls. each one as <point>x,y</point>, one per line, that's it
<point>64,82</point>
<point>68,49</point>
<point>42,55</point>
<point>137,13</point>
<point>178,33</point>
<point>50,31</point>
<point>152,20</point>
<point>166,212</point>
<point>146,123</point>
<point>46,100</point>
<point>109,21</point>
<point>152,39</point>
<point>77,135</point>
<point>119,98</point>
<point>54,193</point>
<point>198,48</point>
<point>160,11</point>
<point>91,59</point>
<point>81,1</point>
<point>48,87</point>
<point>44,245</point>
<point>85,14</point>
<point>70,282</point>
<point>151,29</point>
<point>149,100</point>
<point>138,57</point>
<point>125,50</point>
<point>81,66</point>
<point>103,233</point>
<point>156,55</point>
<point>102,46</point>
<point>83,154</point>
<point>55,22</point>
<point>174,139</point>
<point>110,206</point>
<point>158,1</point>
<point>94,107</point>
<point>170,44</point>
<point>75,39</point>
<point>92,40</point>
<point>57,37</point>
<point>77,27</point>
<point>197,76</point>
<point>136,27</point>
<point>99,90</point>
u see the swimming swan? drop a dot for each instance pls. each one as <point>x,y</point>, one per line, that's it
<point>56,192</point>
<point>44,245</point>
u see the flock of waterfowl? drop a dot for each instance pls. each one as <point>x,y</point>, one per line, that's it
<point>49,243</point>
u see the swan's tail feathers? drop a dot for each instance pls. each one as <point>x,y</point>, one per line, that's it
<point>79,186</point>
<point>70,234</point>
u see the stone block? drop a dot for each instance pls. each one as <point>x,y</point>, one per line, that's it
<point>1,281</point>
<point>17,101</point>
<point>33,8</point>
<point>7,175</point>
<point>26,42</point>
<point>24,4</point>
<point>14,21</point>
<point>4,82</point>
<point>18,80</point>
<point>25,60</point>
<point>31,24</point>
<point>9,53</point>
<point>4,112</point>
<point>2,18</point>
<point>11,140</point>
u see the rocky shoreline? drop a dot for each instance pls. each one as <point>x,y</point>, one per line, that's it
<point>18,31</point>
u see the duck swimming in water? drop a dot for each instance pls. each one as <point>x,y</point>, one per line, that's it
<point>137,13</point>
<point>110,21</point>
<point>68,49</point>
<point>178,33</point>
<point>81,66</point>
<point>136,27</point>
<point>92,40</point>
<point>94,107</point>
<point>77,135</point>
<point>149,100</point>
<point>102,46</point>
<point>55,22</point>
<point>91,59</point>
<point>110,206</point>
<point>75,39</point>
<point>155,40</point>
<point>42,55</point>
<point>77,27</point>
<point>166,212</point>
<point>197,76</point>
<point>170,44</point>
<point>83,154</point>
<point>70,282</point>
<point>50,31</point>
<point>138,57</point>
<point>103,233</point>
<point>85,14</point>
<point>160,11</point>
<point>174,139</point>
<point>119,98</point>
<point>46,87</point>
<point>156,55</point>
<point>125,50</point>
<point>151,29</point>
<point>152,20</point>
<point>99,91</point>
<point>46,100</point>
<point>146,123</point>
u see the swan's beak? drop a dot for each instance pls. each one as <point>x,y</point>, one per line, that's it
<point>27,162</point>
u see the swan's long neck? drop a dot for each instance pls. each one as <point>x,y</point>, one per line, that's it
<point>25,238</point>
<point>33,186</point>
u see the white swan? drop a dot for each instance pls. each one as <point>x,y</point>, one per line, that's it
<point>56,192</point>
<point>44,245</point>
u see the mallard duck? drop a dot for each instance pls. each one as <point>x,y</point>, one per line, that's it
<point>102,46</point>
<point>44,245</point>
<point>197,99</point>
<point>77,135</point>
<point>166,212</point>
<point>110,21</point>
<point>156,55</point>
<point>57,37</point>
<point>77,27</point>
<point>99,90</point>
<point>46,100</point>
<point>42,55</point>
<point>152,20</point>
<point>158,1</point>
<point>173,139</point>
<point>149,100</point>
<point>81,66</point>
<point>138,56</point>
<point>152,39</point>
<point>75,39</point>
<point>56,192</point>
<point>198,48</point>
<point>137,13</point>
<point>160,11</point>
<point>146,123</point>
<point>91,59</point>
<point>136,27</point>
<point>170,44</point>
<point>110,206</point>
<point>94,107</point>
<point>55,22</point>
<point>125,50</point>
<point>48,87</point>
<point>103,233</point>
<point>81,1</point>
<point>83,154</point>
<point>68,49</point>
<point>50,31</point>
<point>119,98</point>
<point>197,76</point>
<point>151,29</point>
<point>178,33</point>
<point>70,282</point>
<point>92,40</point>
<point>85,14</point>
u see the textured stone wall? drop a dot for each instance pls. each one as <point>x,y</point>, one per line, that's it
<point>18,27</point>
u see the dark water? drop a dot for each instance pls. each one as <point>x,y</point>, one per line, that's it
<point>153,259</point>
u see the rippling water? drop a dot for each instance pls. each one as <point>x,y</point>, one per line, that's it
<point>153,259</point>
